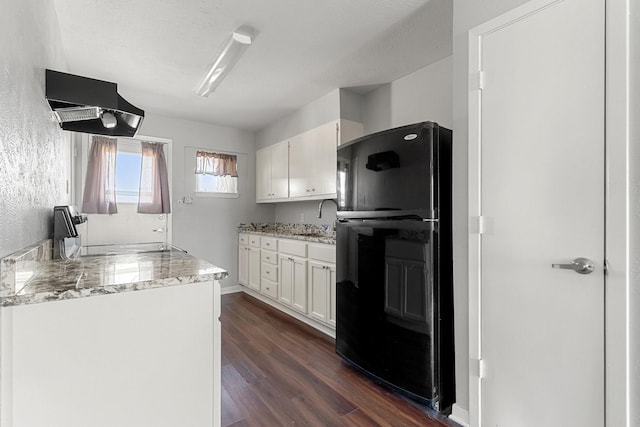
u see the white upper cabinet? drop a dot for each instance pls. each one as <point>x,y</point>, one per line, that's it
<point>312,163</point>
<point>272,172</point>
<point>310,173</point>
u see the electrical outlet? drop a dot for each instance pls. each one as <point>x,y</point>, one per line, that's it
<point>302,218</point>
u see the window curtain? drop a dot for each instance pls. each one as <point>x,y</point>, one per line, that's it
<point>154,180</point>
<point>100,182</point>
<point>216,164</point>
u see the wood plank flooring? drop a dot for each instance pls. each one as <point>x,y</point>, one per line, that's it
<point>277,371</point>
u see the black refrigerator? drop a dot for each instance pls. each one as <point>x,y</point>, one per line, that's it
<point>394,290</point>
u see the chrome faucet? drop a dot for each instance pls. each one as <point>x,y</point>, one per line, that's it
<point>322,203</point>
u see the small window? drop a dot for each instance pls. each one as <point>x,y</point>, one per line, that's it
<point>216,173</point>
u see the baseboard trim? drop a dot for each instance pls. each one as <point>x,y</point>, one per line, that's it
<point>230,289</point>
<point>459,415</point>
<point>316,325</point>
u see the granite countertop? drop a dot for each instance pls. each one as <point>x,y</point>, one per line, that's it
<point>306,232</point>
<point>120,269</point>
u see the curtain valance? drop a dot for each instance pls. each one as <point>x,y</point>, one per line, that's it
<point>208,163</point>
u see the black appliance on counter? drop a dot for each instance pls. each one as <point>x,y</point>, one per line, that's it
<point>66,239</point>
<point>394,261</point>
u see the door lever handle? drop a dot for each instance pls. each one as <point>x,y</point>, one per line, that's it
<point>158,230</point>
<point>579,265</point>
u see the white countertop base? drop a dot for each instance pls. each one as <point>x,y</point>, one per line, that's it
<point>134,359</point>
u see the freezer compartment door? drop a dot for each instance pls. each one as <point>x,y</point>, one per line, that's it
<point>390,170</point>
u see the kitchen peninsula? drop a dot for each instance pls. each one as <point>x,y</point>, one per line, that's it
<point>121,336</point>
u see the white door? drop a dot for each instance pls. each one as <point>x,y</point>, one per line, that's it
<point>285,291</point>
<point>299,165</point>
<point>331,298</point>
<point>254,268</point>
<point>318,282</point>
<point>127,226</point>
<point>280,170</point>
<point>299,301</point>
<point>322,160</point>
<point>537,181</point>
<point>263,174</point>
<point>243,265</point>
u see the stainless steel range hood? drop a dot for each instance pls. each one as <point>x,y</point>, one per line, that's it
<point>86,105</point>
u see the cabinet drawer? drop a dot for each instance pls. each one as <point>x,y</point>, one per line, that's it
<point>243,239</point>
<point>293,247</point>
<point>269,288</point>
<point>254,241</point>
<point>326,253</point>
<point>269,257</point>
<point>270,271</point>
<point>269,243</point>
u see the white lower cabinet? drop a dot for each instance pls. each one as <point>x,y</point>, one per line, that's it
<point>254,268</point>
<point>299,277</point>
<point>269,279</point>
<point>243,265</point>
<point>293,282</point>
<point>149,358</point>
<point>249,261</point>
<point>322,281</point>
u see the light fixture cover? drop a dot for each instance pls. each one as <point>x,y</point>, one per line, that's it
<point>109,120</point>
<point>233,47</point>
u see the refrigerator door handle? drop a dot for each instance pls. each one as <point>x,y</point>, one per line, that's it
<point>420,214</point>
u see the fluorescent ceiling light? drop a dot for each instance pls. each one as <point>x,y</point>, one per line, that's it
<point>229,54</point>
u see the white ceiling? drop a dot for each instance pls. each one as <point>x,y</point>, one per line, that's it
<point>157,51</point>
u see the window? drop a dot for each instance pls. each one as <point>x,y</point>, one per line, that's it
<point>128,161</point>
<point>216,173</point>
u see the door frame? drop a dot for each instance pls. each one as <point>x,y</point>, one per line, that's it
<point>618,62</point>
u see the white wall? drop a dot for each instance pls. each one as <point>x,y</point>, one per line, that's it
<point>425,94</point>
<point>207,228</point>
<point>34,151</point>
<point>314,114</point>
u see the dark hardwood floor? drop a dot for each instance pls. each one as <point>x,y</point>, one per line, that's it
<point>277,371</point>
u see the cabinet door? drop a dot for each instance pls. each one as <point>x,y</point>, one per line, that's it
<point>243,265</point>
<point>299,268</point>
<point>298,166</point>
<point>254,268</point>
<point>332,296</point>
<point>318,284</point>
<point>280,170</point>
<point>285,293</point>
<point>322,153</point>
<point>263,174</point>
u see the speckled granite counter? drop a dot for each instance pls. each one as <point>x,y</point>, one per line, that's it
<point>122,269</point>
<point>306,232</point>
